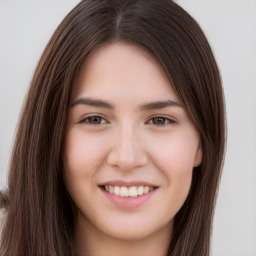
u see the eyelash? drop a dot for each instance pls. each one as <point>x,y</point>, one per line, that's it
<point>99,120</point>
<point>164,121</point>
<point>89,119</point>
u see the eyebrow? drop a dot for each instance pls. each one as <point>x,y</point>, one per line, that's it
<point>161,104</point>
<point>92,102</point>
<point>103,104</point>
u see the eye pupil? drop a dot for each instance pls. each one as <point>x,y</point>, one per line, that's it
<point>159,120</point>
<point>95,120</point>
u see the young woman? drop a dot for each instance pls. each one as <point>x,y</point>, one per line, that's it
<point>121,140</point>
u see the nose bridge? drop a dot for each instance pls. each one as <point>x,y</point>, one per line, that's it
<point>127,152</point>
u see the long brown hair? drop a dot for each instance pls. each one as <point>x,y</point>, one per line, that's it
<point>40,214</point>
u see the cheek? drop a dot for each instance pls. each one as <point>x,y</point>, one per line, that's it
<point>175,153</point>
<point>83,153</point>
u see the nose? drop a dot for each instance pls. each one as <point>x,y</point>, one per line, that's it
<point>127,153</point>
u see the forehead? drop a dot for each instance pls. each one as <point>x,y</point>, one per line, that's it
<point>118,69</point>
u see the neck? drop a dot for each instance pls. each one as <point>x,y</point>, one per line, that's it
<point>93,242</point>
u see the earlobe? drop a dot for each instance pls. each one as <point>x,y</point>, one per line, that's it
<point>199,156</point>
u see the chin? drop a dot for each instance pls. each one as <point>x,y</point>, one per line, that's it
<point>129,231</point>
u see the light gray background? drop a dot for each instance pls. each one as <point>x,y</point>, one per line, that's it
<point>25,28</point>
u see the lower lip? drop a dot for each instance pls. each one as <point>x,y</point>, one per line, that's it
<point>129,202</point>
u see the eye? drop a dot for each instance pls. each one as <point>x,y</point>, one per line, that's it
<point>94,120</point>
<point>161,121</point>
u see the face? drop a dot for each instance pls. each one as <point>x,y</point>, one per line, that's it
<point>130,147</point>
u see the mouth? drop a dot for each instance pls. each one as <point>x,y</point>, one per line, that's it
<point>132,191</point>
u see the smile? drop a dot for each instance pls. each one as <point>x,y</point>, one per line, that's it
<point>133,191</point>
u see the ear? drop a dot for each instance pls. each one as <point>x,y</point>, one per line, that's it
<point>199,156</point>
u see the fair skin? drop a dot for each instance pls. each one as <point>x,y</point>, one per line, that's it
<point>127,131</point>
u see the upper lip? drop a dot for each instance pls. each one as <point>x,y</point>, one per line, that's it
<point>121,183</point>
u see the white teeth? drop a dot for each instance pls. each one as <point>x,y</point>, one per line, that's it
<point>128,191</point>
<point>145,189</point>
<point>140,190</point>
<point>124,192</point>
<point>133,191</point>
<point>111,189</point>
<point>116,190</point>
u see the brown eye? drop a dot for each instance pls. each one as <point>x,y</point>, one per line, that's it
<point>94,120</point>
<point>160,120</point>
